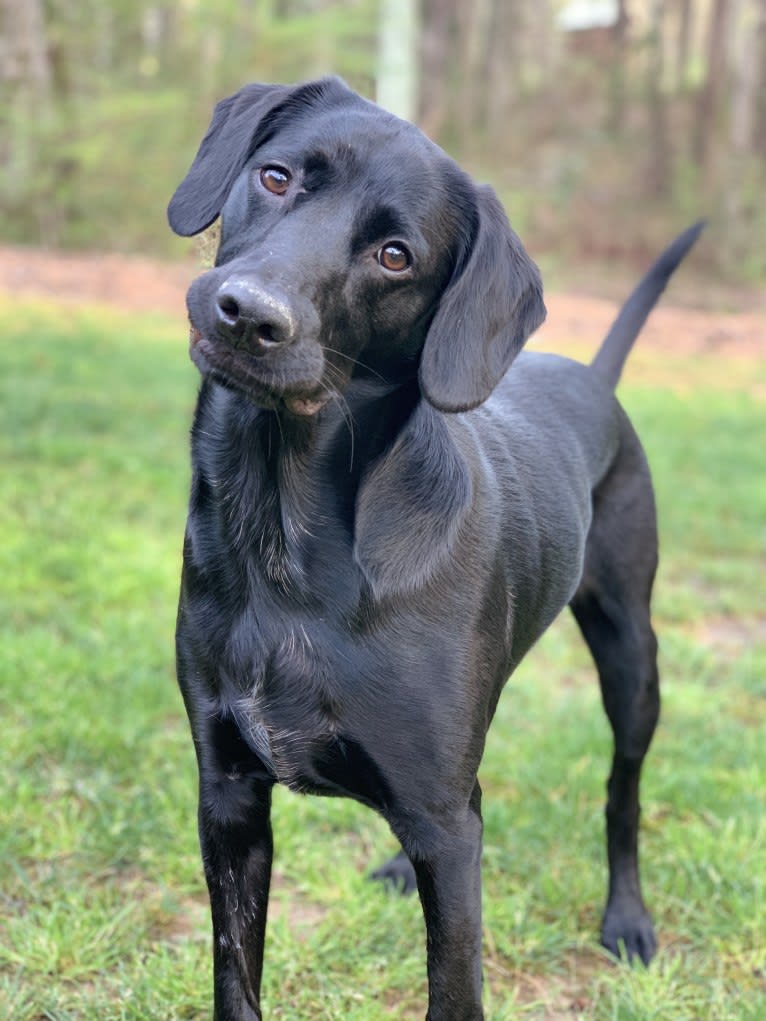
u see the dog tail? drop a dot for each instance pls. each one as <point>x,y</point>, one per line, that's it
<point>613,353</point>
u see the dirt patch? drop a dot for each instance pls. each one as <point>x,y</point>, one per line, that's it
<point>554,996</point>
<point>301,913</point>
<point>680,331</point>
<point>578,321</point>
<point>730,636</point>
<point>130,283</point>
<point>187,918</point>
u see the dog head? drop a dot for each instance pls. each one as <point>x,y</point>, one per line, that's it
<point>350,245</point>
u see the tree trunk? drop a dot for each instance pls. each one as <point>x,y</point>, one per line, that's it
<point>474,28</point>
<point>659,168</point>
<point>616,114</point>
<point>711,97</point>
<point>504,67</point>
<point>759,140</point>
<point>684,44</point>
<point>437,62</point>
<point>25,57</point>
<point>744,97</point>
<point>397,82</point>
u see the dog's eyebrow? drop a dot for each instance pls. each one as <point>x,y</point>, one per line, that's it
<point>378,224</point>
<point>316,167</point>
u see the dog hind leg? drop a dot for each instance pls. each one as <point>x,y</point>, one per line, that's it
<point>611,607</point>
<point>397,873</point>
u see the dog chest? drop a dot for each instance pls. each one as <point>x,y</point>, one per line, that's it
<point>329,712</point>
<point>298,708</point>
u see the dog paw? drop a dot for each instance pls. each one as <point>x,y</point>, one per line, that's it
<point>397,874</point>
<point>628,933</point>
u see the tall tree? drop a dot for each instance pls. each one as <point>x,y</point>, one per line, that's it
<point>759,140</point>
<point>25,57</point>
<point>437,64</point>
<point>397,80</point>
<point>511,24</point>
<point>616,110</point>
<point>684,43</point>
<point>474,34</point>
<point>744,81</point>
<point>659,168</point>
<point>711,97</point>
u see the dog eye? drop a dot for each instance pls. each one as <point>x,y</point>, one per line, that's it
<point>275,179</point>
<point>395,258</point>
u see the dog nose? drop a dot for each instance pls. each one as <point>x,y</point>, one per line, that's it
<point>250,316</point>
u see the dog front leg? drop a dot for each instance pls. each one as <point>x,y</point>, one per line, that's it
<point>237,848</point>
<point>449,883</point>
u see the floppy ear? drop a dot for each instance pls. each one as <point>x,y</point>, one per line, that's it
<point>222,155</point>
<point>489,309</point>
<point>411,506</point>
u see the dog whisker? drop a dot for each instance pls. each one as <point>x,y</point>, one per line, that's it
<point>354,361</point>
<point>346,414</point>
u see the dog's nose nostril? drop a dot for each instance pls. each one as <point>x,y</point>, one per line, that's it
<point>252,318</point>
<point>266,336</point>
<point>228,308</point>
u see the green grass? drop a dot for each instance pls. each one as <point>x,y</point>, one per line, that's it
<point>102,910</point>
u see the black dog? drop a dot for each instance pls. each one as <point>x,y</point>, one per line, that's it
<point>383,520</point>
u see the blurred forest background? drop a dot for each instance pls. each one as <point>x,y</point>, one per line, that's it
<point>605,125</point>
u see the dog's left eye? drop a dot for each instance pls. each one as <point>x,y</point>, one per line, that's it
<point>275,179</point>
<point>395,258</point>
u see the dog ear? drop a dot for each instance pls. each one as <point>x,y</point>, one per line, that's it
<point>222,155</point>
<point>493,303</point>
<point>411,507</point>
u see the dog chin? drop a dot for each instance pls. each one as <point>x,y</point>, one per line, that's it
<point>226,369</point>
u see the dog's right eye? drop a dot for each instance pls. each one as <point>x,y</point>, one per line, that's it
<point>394,257</point>
<point>275,179</point>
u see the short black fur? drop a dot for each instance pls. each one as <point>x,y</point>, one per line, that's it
<point>384,518</point>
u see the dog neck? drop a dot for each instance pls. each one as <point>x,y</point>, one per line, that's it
<point>282,489</point>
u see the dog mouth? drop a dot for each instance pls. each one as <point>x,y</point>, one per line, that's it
<point>233,369</point>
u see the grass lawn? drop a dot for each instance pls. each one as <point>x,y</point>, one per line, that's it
<point>102,908</point>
